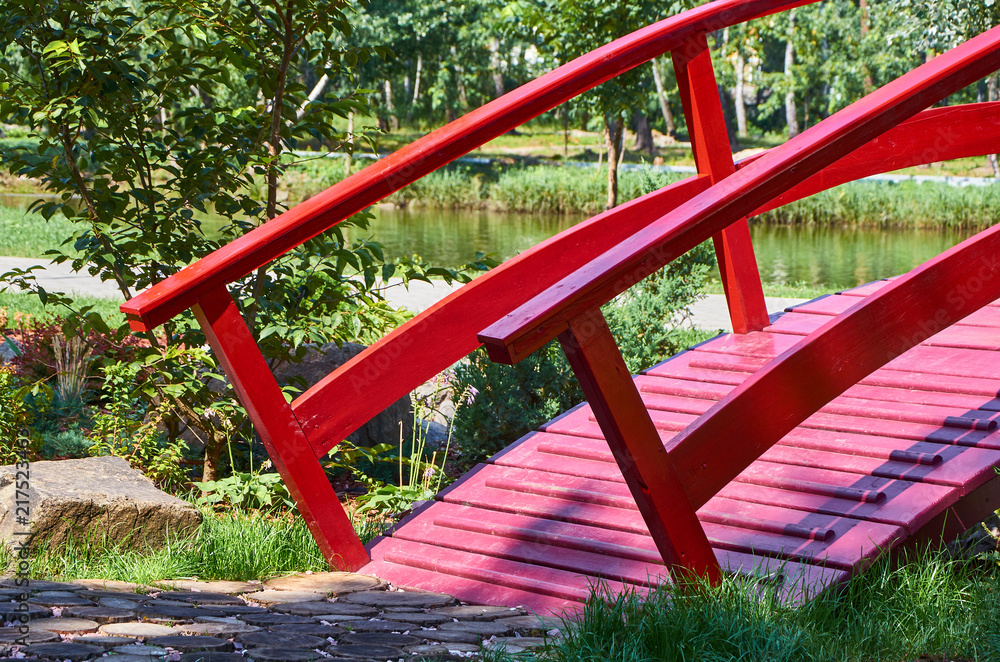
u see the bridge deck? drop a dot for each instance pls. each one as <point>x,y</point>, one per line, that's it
<point>904,456</point>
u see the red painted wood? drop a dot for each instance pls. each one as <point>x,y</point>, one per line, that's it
<point>710,144</point>
<point>542,318</point>
<point>504,573</point>
<point>446,332</point>
<point>964,334</point>
<point>593,354</point>
<point>752,527</point>
<point>287,446</point>
<point>306,220</point>
<point>932,135</point>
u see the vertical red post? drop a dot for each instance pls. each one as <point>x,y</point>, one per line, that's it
<point>637,447</point>
<point>272,417</point>
<point>710,144</point>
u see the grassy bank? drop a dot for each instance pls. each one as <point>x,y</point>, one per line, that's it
<point>554,189</point>
<point>236,544</point>
<point>927,607</point>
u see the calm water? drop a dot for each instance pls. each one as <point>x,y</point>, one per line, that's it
<point>821,256</point>
<point>836,257</point>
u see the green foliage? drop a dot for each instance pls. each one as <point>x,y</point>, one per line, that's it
<point>233,545</point>
<point>128,429</point>
<point>502,403</point>
<point>248,490</point>
<point>18,442</point>
<point>424,477</point>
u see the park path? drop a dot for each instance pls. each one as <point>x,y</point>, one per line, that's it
<point>709,313</point>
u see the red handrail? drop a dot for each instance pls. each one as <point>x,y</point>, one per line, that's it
<point>306,220</point>
<point>546,316</point>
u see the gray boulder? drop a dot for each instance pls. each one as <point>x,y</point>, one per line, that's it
<point>102,499</point>
<point>320,362</point>
<point>7,353</point>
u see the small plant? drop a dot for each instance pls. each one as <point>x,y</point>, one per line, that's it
<point>16,418</point>
<point>247,490</point>
<point>128,429</point>
<point>72,358</point>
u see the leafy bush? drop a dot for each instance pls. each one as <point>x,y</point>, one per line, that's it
<point>128,428</point>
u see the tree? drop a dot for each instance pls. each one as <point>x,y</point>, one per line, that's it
<point>566,29</point>
<point>157,113</point>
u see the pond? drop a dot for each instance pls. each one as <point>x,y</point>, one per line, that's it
<point>823,256</point>
<point>834,257</point>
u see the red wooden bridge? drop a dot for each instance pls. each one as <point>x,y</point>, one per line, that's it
<point>800,447</point>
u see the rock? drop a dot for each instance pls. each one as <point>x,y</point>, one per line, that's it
<point>320,362</point>
<point>983,538</point>
<point>102,498</point>
<point>8,351</point>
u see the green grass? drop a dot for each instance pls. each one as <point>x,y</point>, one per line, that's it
<point>29,304</point>
<point>30,235</point>
<point>787,290</point>
<point>924,607</point>
<point>232,545</point>
<point>907,204</point>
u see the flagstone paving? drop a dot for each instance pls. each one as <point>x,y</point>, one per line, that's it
<point>334,617</point>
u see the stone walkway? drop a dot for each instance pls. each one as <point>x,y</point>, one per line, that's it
<point>335,617</point>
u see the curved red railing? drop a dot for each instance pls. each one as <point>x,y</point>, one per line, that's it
<point>556,288</point>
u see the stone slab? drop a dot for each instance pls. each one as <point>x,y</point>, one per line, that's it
<point>221,586</point>
<point>271,597</point>
<point>366,651</point>
<point>200,597</point>
<point>136,629</point>
<point>65,625</point>
<point>400,599</point>
<point>381,626</point>
<point>186,643</point>
<point>330,583</point>
<point>226,630</point>
<point>381,639</point>
<point>279,640</point>
<point>285,655</point>
<point>14,634</point>
<point>64,651</point>
<point>101,614</point>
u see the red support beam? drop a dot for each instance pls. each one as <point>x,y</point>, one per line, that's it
<point>710,144</point>
<point>636,446</point>
<point>272,417</point>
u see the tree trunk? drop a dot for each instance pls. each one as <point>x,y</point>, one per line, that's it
<point>350,141</point>
<point>498,87</point>
<point>316,92</point>
<point>791,114</point>
<point>416,87</point>
<point>991,92</point>
<point>668,117</point>
<point>643,134</point>
<point>613,137</point>
<point>390,107</point>
<point>739,102</point>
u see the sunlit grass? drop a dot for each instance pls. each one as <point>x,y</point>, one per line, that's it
<point>924,606</point>
<point>231,545</point>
